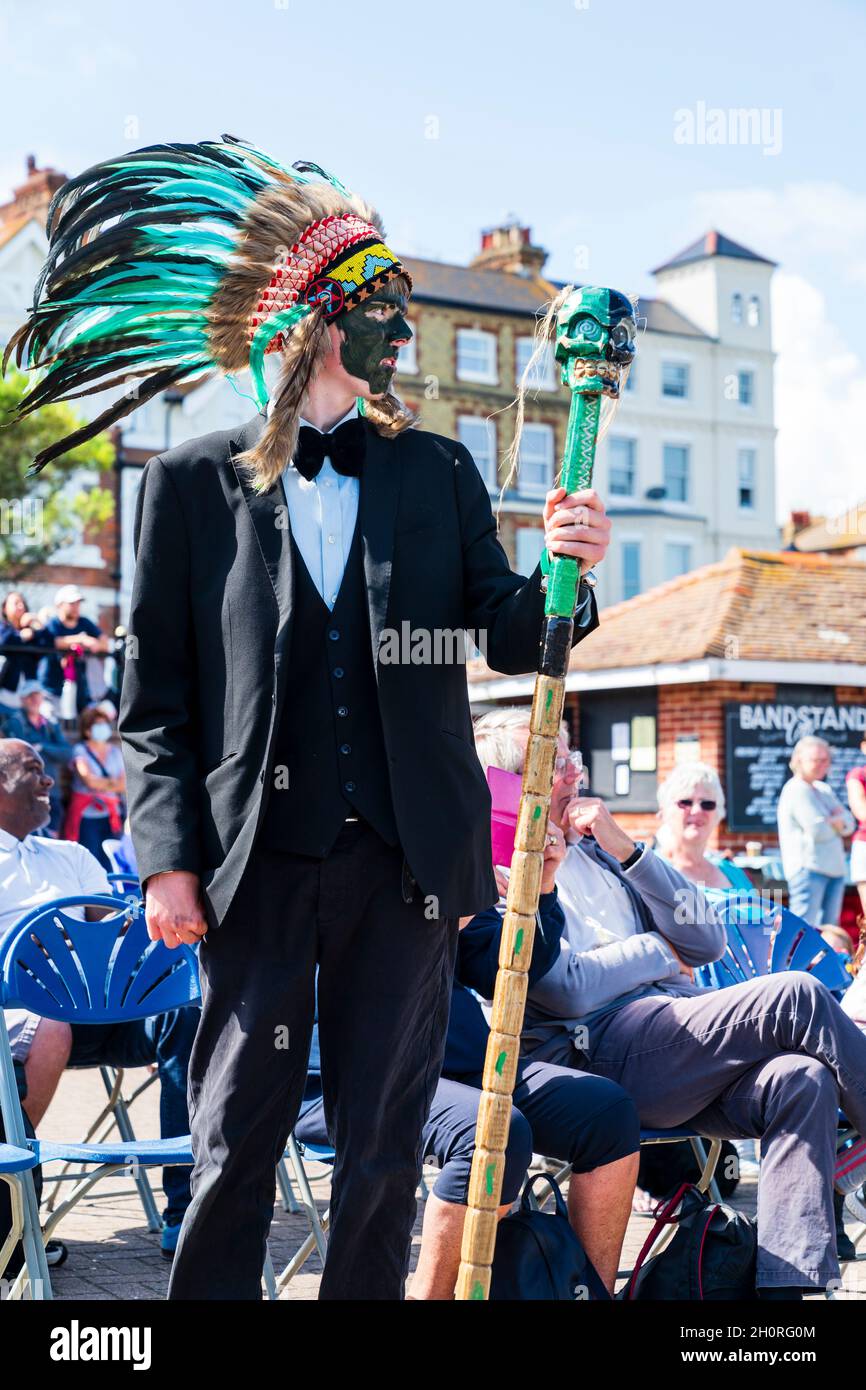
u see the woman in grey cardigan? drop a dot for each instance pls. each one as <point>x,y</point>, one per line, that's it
<point>813,824</point>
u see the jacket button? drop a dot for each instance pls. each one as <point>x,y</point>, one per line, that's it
<point>345,747</point>
<point>351,786</point>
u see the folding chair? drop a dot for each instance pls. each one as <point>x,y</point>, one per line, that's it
<point>707,1159</point>
<point>769,941</point>
<point>126,886</point>
<point>14,1164</point>
<point>115,1112</point>
<point>107,971</point>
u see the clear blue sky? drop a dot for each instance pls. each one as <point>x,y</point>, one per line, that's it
<point>559,112</point>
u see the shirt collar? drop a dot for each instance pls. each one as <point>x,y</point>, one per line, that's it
<point>11,842</point>
<point>350,414</point>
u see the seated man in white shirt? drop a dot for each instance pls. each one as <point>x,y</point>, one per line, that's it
<point>773,1058</point>
<point>35,870</point>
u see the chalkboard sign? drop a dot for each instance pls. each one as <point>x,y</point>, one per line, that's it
<point>759,741</point>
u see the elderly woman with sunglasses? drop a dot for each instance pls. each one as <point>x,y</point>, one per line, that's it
<point>691,805</point>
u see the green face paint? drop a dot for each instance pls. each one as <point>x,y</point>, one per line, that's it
<point>372,333</point>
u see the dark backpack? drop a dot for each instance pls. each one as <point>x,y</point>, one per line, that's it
<point>711,1256</point>
<point>538,1256</point>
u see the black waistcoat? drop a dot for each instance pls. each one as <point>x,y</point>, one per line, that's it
<point>329,757</point>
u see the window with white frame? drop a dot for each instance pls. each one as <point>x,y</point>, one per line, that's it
<point>675,380</point>
<point>535,463</point>
<point>675,465</point>
<point>631,378</point>
<point>622,466</point>
<point>678,558</point>
<point>407,357</point>
<point>747,468</point>
<point>630,553</point>
<point>736,307</point>
<point>476,355</point>
<point>530,543</point>
<point>479,437</point>
<point>543,376</point>
<point>746,387</point>
<point>753,317</point>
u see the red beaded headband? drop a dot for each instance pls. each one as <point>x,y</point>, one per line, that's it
<point>318,270</point>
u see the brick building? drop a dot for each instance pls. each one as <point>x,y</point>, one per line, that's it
<point>687,469</point>
<point>728,665</point>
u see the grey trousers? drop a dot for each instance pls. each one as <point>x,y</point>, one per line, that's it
<point>771,1059</point>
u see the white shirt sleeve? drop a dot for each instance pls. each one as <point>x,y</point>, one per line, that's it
<point>91,875</point>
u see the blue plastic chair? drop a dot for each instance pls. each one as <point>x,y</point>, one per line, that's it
<point>115,1112</point>
<point>769,941</point>
<point>14,1163</point>
<point>126,886</point>
<point>106,971</point>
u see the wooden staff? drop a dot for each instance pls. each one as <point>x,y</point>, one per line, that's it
<point>595,334</point>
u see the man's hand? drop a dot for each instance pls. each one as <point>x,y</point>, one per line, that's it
<point>173,909</point>
<point>587,814</point>
<point>684,969</point>
<point>576,524</point>
<point>554,853</point>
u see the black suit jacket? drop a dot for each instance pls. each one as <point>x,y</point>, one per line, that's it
<point>211,620</point>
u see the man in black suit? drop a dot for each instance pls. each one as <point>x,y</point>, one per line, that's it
<point>310,805</point>
<point>302,802</point>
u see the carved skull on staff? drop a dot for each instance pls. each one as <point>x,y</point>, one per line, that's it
<point>595,340</point>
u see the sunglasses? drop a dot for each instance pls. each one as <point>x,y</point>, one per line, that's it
<point>686,805</point>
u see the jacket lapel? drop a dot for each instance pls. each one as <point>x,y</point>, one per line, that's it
<point>377,512</point>
<point>270,517</point>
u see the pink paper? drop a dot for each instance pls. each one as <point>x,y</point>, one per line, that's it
<point>505,794</point>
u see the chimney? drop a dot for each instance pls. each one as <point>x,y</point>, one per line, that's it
<point>509,248</point>
<point>31,199</point>
<point>797,522</point>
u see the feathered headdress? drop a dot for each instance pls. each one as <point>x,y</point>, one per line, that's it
<point>171,262</point>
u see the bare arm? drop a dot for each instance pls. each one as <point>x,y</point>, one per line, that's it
<point>856,798</point>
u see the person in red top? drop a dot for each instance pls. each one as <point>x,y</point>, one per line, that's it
<point>856,786</point>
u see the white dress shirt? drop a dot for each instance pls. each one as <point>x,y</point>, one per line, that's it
<point>37,870</point>
<point>323,512</point>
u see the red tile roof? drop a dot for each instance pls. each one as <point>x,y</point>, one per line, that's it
<point>751,606</point>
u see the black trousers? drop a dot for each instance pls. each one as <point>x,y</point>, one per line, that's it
<point>384,985</point>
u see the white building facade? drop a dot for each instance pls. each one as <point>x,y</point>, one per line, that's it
<point>688,467</point>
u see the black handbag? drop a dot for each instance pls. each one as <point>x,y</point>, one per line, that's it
<point>711,1256</point>
<point>538,1256</point>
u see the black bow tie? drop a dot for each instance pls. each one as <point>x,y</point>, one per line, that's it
<point>344,446</point>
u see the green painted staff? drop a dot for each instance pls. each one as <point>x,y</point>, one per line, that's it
<point>595,335</point>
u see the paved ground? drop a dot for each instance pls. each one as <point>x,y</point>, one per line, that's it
<point>113,1256</point>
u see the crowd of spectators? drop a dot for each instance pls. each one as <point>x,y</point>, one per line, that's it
<point>620,1033</point>
<point>46,701</point>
